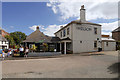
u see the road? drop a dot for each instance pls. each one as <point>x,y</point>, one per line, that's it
<point>90,65</point>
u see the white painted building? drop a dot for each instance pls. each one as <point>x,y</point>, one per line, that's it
<point>108,44</point>
<point>80,35</point>
<point>4,44</point>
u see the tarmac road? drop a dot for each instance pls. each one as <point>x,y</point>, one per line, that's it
<point>92,65</point>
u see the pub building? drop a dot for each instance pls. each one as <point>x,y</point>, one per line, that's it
<point>38,39</point>
<point>76,37</point>
<point>80,35</point>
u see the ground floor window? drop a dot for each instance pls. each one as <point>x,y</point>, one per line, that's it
<point>95,44</point>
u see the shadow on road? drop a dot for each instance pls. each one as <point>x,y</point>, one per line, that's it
<point>114,68</point>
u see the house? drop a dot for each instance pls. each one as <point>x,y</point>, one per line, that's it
<point>80,35</point>
<point>4,44</point>
<point>116,34</point>
<point>75,37</point>
<point>108,44</point>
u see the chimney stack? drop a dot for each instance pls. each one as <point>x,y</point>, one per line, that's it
<point>61,27</point>
<point>82,14</point>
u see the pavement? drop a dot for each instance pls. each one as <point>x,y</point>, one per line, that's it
<point>84,65</point>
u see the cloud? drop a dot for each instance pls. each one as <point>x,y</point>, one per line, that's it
<point>94,9</point>
<point>50,30</point>
<point>34,27</point>
<point>107,28</point>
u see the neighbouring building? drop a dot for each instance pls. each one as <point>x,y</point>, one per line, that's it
<point>4,44</point>
<point>108,44</point>
<point>38,39</point>
<point>80,35</point>
<point>116,36</point>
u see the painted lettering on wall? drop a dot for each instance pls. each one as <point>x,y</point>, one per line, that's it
<point>84,28</point>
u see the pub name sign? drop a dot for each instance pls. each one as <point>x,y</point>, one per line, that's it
<point>84,28</point>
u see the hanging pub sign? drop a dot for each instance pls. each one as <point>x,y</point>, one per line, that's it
<point>84,28</point>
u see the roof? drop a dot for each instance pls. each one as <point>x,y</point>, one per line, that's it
<point>4,32</point>
<point>77,22</point>
<point>2,38</point>
<point>117,30</point>
<point>66,39</point>
<point>55,39</point>
<point>108,39</point>
<point>37,37</point>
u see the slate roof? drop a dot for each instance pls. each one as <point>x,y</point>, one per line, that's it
<point>66,39</point>
<point>108,39</point>
<point>39,37</point>
<point>78,22</point>
<point>117,30</point>
<point>55,39</point>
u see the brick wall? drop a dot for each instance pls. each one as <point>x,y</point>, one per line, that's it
<point>116,36</point>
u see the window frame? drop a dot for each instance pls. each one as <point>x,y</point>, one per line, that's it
<point>68,31</point>
<point>95,31</point>
<point>64,32</point>
<point>61,34</point>
<point>95,44</point>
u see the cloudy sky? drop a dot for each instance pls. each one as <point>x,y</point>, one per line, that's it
<point>50,15</point>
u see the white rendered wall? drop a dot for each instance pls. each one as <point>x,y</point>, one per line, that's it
<point>59,33</point>
<point>4,44</point>
<point>87,38</point>
<point>111,46</point>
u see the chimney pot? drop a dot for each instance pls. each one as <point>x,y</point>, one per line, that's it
<point>37,28</point>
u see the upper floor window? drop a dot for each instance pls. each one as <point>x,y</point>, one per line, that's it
<point>61,34</point>
<point>64,32</point>
<point>68,31</point>
<point>95,30</point>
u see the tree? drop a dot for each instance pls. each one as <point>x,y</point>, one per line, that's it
<point>10,39</point>
<point>18,37</point>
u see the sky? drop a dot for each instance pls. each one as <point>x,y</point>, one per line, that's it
<point>49,16</point>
